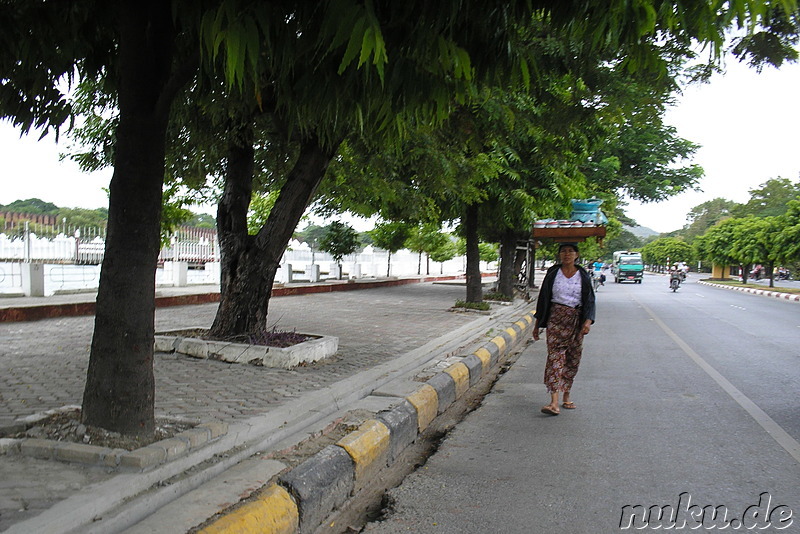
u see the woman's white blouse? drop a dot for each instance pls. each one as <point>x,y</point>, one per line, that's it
<point>567,291</point>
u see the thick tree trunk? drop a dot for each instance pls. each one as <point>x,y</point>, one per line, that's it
<point>474,280</point>
<point>249,264</point>
<point>508,265</point>
<point>120,387</point>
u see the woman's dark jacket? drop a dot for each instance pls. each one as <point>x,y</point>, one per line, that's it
<point>544,302</point>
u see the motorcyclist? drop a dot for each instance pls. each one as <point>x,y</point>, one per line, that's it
<point>675,273</point>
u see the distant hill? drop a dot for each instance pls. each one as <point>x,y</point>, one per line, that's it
<point>641,232</point>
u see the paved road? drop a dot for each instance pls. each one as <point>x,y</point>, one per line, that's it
<point>690,395</point>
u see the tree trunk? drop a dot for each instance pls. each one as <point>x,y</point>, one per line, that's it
<point>238,254</point>
<point>120,386</point>
<point>474,281</point>
<point>508,265</point>
<point>389,265</point>
<point>771,267</point>
<point>249,264</point>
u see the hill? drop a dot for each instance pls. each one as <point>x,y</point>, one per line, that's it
<point>641,232</point>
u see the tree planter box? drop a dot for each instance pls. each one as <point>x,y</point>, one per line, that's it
<point>317,348</point>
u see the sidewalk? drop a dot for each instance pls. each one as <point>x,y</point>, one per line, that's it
<point>386,331</point>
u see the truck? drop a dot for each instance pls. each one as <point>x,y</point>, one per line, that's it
<point>627,266</point>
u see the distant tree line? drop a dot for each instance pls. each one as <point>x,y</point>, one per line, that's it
<point>765,231</point>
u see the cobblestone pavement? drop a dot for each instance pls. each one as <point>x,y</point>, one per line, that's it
<point>43,363</point>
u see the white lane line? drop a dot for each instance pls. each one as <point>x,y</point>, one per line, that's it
<point>783,438</point>
<point>738,307</point>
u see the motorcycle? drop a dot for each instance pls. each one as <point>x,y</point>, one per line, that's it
<point>674,281</point>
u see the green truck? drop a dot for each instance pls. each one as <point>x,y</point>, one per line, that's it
<point>627,267</point>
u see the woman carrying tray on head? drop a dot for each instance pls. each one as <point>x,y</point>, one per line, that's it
<point>566,307</point>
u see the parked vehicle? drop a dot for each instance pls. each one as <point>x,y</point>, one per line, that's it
<point>627,267</point>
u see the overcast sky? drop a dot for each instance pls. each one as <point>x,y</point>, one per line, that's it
<point>747,124</point>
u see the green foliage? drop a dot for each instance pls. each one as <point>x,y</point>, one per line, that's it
<point>497,296</point>
<point>667,251</point>
<point>488,252</point>
<point>626,240</point>
<point>425,238</point>
<point>445,251</point>
<point>260,207</point>
<point>202,220</point>
<point>32,205</point>
<point>482,306</point>
<point>717,245</point>
<point>390,236</point>
<point>706,215</point>
<point>82,217</point>
<point>339,240</point>
<point>788,241</point>
<point>770,199</point>
<point>312,234</point>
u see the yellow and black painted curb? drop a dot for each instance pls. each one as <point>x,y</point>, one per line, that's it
<point>304,497</point>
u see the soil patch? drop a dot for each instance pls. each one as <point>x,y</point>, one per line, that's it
<point>65,425</point>
<point>271,338</point>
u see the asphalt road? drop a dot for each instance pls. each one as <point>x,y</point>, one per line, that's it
<point>686,400</point>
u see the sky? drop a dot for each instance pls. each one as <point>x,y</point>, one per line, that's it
<point>747,124</point>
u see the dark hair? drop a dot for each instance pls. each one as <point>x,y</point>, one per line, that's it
<point>574,246</point>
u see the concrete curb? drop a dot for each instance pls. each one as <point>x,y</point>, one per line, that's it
<point>302,498</point>
<point>763,292</point>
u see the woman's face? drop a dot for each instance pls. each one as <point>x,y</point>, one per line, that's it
<point>568,255</point>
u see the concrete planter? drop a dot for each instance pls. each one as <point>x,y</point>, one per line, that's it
<point>317,348</point>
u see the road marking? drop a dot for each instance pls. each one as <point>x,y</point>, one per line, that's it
<point>783,438</point>
<point>738,307</point>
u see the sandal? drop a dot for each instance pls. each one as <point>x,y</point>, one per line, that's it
<point>569,405</point>
<point>549,410</point>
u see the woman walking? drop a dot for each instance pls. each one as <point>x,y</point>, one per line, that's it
<point>566,308</point>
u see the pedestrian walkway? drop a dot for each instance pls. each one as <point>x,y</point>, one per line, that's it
<point>43,366</point>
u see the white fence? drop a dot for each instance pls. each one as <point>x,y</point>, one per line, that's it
<point>86,246</point>
<point>62,274</point>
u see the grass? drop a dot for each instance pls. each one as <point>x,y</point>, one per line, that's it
<point>473,305</point>
<point>734,283</point>
<point>497,296</point>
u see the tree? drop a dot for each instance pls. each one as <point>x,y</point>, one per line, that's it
<point>770,200</point>
<point>667,251</point>
<point>755,241</point>
<point>717,245</point>
<point>31,205</point>
<point>788,240</point>
<point>626,240</point>
<point>390,236</point>
<point>424,239</point>
<point>705,215</point>
<point>444,251</point>
<point>339,241</point>
<point>146,52</point>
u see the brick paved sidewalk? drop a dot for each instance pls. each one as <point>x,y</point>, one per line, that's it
<point>43,366</point>
<point>43,363</point>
